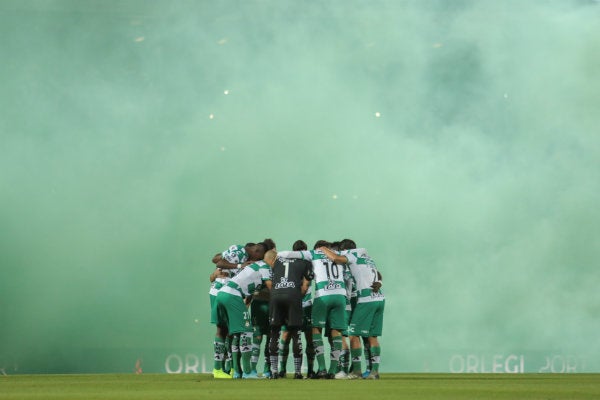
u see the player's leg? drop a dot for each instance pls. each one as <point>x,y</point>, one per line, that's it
<point>267,357</point>
<point>367,355</point>
<point>297,351</point>
<point>273,351</point>
<point>260,318</point>
<point>256,342</point>
<point>310,348</point>
<point>360,325</point>
<point>284,351</point>
<point>374,332</point>
<point>241,327</point>
<point>219,317</point>
<point>337,322</point>
<point>319,315</point>
<point>295,319</point>
<point>355,354</point>
<point>235,356</point>
<point>345,353</point>
<point>257,336</point>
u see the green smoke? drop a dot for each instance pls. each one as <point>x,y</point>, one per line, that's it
<point>457,141</point>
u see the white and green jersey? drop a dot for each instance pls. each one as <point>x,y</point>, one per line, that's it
<point>219,282</point>
<point>364,272</point>
<point>248,280</point>
<point>329,276</point>
<point>235,254</point>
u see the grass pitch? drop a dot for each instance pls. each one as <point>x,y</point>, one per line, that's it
<point>390,386</point>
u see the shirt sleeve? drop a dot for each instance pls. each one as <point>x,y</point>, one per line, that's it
<point>303,255</point>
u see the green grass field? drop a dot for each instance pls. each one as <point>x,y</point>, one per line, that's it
<point>390,386</point>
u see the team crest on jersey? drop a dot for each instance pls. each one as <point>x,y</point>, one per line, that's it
<point>284,283</point>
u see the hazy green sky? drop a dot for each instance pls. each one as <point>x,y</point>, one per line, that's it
<point>456,140</point>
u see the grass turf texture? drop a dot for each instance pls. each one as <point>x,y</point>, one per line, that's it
<point>390,386</point>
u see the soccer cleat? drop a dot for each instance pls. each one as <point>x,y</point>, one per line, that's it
<point>251,375</point>
<point>237,375</point>
<point>267,374</point>
<point>366,373</point>
<point>310,375</point>
<point>298,375</point>
<point>354,375</point>
<point>274,376</point>
<point>320,375</point>
<point>282,374</point>
<point>220,374</point>
<point>373,375</point>
<point>341,375</point>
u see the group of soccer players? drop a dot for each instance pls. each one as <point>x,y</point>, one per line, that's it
<point>258,292</point>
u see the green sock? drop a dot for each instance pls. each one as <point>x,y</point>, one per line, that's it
<point>375,357</point>
<point>336,349</point>
<point>219,352</point>
<point>256,340</point>
<point>319,353</point>
<point>235,353</point>
<point>246,350</point>
<point>356,364</point>
<point>284,351</point>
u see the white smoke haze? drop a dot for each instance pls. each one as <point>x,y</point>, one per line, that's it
<point>455,140</point>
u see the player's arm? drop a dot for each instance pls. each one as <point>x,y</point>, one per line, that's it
<point>216,258</point>
<point>305,286</point>
<point>214,275</point>
<point>224,264</point>
<point>268,284</point>
<point>218,273</point>
<point>302,254</point>
<point>336,258</point>
<point>377,283</point>
<point>307,279</point>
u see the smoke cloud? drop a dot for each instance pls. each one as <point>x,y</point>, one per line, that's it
<point>457,141</point>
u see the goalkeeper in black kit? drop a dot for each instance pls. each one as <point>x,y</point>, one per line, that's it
<point>291,280</point>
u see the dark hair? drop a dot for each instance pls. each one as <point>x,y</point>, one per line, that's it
<point>347,244</point>
<point>321,243</point>
<point>335,246</point>
<point>299,245</point>
<point>268,244</point>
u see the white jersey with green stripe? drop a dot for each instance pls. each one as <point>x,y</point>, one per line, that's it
<point>329,276</point>
<point>364,272</point>
<point>249,279</point>
<point>219,282</point>
<point>235,254</point>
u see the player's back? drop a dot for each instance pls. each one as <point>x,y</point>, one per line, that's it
<point>288,275</point>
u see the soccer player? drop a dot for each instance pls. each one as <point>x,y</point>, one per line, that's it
<point>284,342</point>
<point>237,288</point>
<point>259,313</point>
<point>232,312</point>
<point>229,263</point>
<point>329,305</point>
<point>222,356</point>
<point>290,281</point>
<point>367,317</point>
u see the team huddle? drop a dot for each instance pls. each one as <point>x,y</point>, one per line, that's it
<point>333,290</point>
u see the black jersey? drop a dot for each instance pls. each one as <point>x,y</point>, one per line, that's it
<point>286,293</point>
<point>287,276</point>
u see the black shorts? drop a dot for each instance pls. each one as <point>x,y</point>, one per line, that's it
<point>285,311</point>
